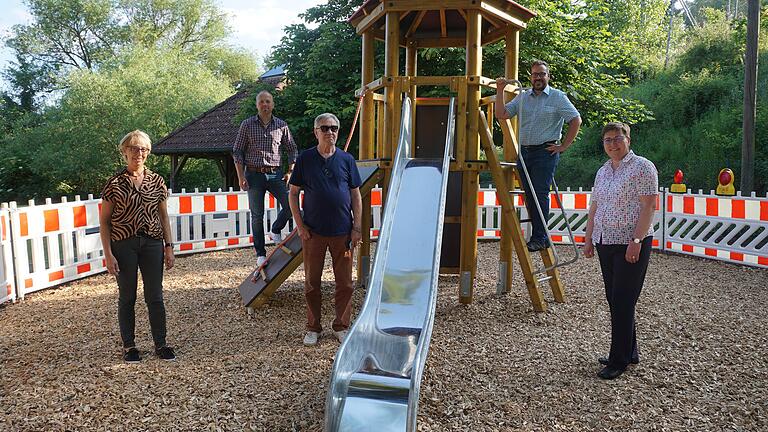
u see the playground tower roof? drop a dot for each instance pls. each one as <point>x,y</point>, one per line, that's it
<point>441,23</point>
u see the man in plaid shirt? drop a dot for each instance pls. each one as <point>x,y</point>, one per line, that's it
<point>256,152</point>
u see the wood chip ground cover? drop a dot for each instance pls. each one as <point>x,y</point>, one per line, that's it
<point>494,365</point>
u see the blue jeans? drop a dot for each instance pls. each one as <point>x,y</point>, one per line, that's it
<point>258,185</point>
<point>540,165</point>
<point>145,254</point>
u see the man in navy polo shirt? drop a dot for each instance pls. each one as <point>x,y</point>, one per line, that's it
<point>330,221</point>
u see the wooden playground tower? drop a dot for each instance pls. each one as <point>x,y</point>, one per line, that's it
<point>471,24</point>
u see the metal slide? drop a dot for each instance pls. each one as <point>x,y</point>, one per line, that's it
<point>376,377</point>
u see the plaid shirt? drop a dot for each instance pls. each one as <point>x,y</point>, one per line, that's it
<point>257,146</point>
<point>617,194</point>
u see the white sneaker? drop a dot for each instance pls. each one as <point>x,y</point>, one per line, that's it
<point>260,260</point>
<point>341,335</point>
<point>276,237</point>
<point>310,339</point>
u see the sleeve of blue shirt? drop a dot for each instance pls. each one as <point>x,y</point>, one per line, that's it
<point>567,110</point>
<point>297,176</point>
<point>354,174</point>
<point>512,105</point>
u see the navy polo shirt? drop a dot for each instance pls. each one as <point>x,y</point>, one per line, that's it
<point>326,184</point>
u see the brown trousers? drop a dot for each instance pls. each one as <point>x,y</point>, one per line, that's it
<point>314,251</point>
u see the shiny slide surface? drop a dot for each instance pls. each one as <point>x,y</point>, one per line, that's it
<point>376,377</point>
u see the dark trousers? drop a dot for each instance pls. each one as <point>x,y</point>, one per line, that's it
<point>623,283</point>
<point>314,251</point>
<point>258,185</point>
<point>540,165</point>
<point>132,254</point>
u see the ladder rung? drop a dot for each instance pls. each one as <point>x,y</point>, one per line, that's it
<point>517,191</point>
<point>508,164</point>
<point>543,279</point>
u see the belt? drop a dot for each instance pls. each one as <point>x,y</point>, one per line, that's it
<point>540,146</point>
<point>264,169</point>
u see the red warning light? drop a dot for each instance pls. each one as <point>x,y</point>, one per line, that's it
<point>678,177</point>
<point>725,177</point>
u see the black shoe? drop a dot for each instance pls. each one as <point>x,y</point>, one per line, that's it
<point>609,373</point>
<point>166,353</point>
<point>132,355</point>
<point>537,245</point>
<point>604,361</point>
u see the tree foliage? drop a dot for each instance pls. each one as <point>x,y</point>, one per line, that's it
<point>67,35</point>
<point>73,147</point>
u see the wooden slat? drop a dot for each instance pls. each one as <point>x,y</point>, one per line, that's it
<point>404,5</point>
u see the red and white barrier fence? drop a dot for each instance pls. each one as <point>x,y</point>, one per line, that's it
<point>50,244</point>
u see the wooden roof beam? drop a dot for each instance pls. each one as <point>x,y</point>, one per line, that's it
<point>376,14</point>
<point>489,10</point>
<point>415,24</point>
<point>443,27</point>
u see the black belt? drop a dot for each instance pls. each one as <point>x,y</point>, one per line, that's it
<point>540,146</point>
<point>264,169</point>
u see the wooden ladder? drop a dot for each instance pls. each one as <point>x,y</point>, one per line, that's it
<point>511,222</point>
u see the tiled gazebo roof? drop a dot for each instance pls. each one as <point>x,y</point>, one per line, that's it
<point>211,132</point>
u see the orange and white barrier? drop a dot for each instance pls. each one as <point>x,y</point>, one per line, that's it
<point>7,284</point>
<point>733,229</point>
<point>55,243</point>
<point>50,244</point>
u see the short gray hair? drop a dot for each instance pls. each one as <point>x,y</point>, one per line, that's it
<point>325,116</point>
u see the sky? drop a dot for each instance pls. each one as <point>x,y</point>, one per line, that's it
<point>257,25</point>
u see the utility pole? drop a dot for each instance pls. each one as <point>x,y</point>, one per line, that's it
<point>750,97</point>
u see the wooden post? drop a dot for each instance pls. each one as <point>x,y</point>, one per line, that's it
<point>469,188</point>
<point>511,59</point>
<point>391,70</point>
<point>410,71</point>
<point>366,152</point>
<point>391,96</point>
<point>750,98</point>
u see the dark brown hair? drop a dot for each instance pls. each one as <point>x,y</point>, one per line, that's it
<point>616,126</point>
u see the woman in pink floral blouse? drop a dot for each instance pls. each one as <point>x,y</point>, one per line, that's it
<point>620,227</point>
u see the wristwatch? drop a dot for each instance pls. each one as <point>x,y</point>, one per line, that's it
<point>170,245</point>
<point>636,241</point>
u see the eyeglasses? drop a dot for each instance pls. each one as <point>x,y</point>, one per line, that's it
<point>327,172</point>
<point>616,139</point>
<point>538,74</point>
<point>326,128</point>
<point>136,149</point>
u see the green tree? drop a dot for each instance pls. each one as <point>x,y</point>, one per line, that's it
<point>74,147</point>
<point>67,35</point>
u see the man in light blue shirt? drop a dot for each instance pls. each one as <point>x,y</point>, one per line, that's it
<point>544,112</point>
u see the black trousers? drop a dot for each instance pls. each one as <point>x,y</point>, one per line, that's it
<point>623,283</point>
<point>145,254</point>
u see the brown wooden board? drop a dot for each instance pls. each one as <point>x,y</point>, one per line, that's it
<point>263,281</point>
<point>259,286</point>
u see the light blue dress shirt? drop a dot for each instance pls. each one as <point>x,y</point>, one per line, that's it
<point>543,115</point>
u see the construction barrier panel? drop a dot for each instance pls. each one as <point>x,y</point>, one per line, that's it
<point>50,244</point>
<point>7,284</point>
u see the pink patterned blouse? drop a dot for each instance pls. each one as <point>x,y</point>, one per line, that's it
<point>617,194</point>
